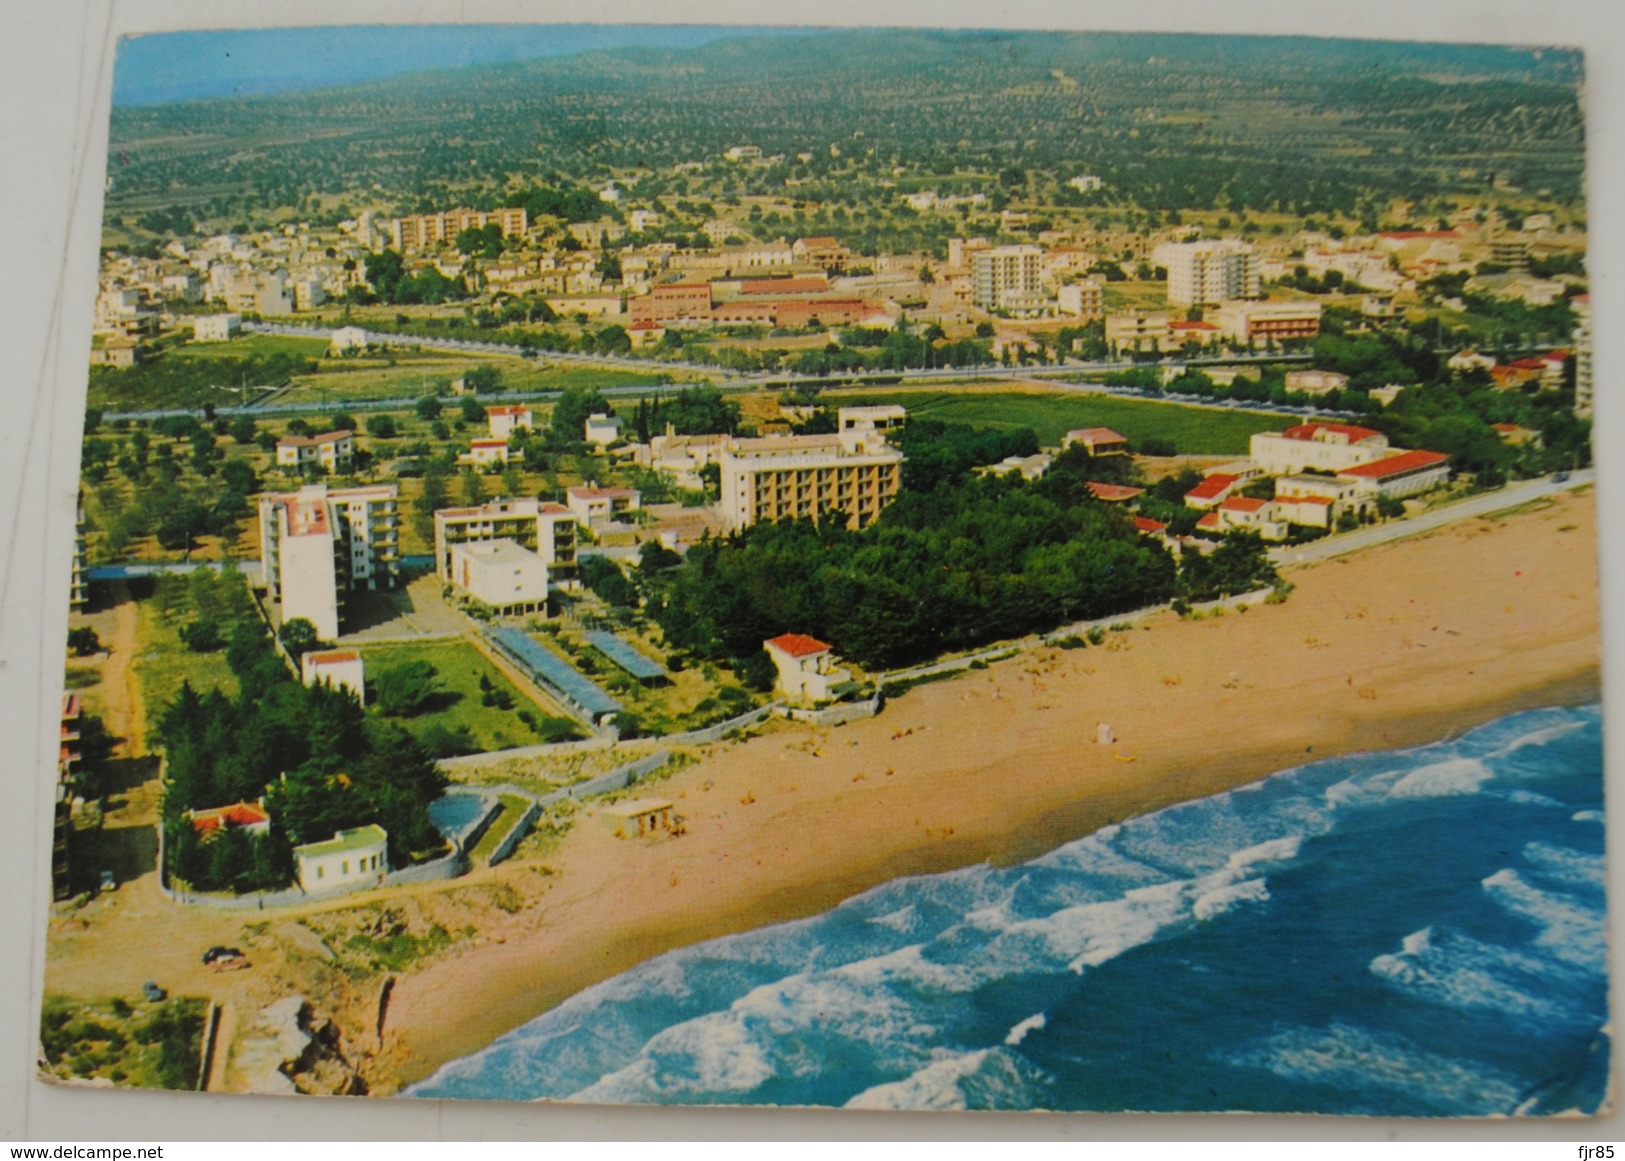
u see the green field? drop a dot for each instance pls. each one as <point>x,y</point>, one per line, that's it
<point>418,373</point>
<point>251,346</point>
<point>459,668</point>
<point>1192,430</point>
<point>163,662</point>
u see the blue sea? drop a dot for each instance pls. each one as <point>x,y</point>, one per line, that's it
<point>1415,933</point>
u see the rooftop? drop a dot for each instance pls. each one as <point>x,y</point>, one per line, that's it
<point>1114,493</point>
<point>357,839</point>
<point>1348,431</point>
<point>797,644</point>
<point>313,440</point>
<point>332,657</point>
<point>1213,486</point>
<point>1397,465</point>
<point>237,814</point>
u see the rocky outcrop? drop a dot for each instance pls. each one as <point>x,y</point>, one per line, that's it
<point>287,1047</point>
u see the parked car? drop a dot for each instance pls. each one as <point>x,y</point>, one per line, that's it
<point>108,882</point>
<point>153,992</point>
<point>216,954</point>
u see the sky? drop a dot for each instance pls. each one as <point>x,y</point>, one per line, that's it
<point>185,66</point>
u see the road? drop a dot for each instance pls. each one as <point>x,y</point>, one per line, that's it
<point>1485,504</point>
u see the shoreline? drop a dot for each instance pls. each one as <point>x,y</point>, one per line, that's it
<point>1000,765</point>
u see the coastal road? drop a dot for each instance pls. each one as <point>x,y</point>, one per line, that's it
<point>1486,504</point>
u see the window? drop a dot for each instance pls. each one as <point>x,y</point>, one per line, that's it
<point>319,870</point>
<point>344,867</point>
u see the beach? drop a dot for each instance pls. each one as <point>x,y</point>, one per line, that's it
<point>1395,646</point>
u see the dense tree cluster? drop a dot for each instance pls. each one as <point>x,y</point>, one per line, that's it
<point>970,561</point>
<point>320,765</point>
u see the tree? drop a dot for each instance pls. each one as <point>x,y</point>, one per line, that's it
<point>406,689</point>
<point>428,408</point>
<point>83,641</point>
<point>472,411</point>
<point>382,427</point>
<point>568,423</point>
<point>483,380</point>
<point>298,637</point>
<point>433,498</point>
<point>473,488</point>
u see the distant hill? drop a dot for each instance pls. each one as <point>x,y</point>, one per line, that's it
<point>1245,122</point>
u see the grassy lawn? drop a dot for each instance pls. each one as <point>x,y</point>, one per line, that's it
<point>163,662</point>
<point>459,668</point>
<point>422,372</point>
<point>1193,430</point>
<point>1136,295</point>
<point>250,346</point>
<point>513,808</point>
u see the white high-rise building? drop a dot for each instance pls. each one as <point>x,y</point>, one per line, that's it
<point>1003,272</point>
<point>1208,273</point>
<point>318,543</point>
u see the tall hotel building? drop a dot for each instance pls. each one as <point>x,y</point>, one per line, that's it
<point>316,544</point>
<point>1001,272</point>
<point>543,527</point>
<point>852,475</point>
<point>1208,273</point>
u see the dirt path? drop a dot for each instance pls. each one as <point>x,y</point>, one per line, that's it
<point>121,690</point>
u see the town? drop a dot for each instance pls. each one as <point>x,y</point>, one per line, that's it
<point>414,529</point>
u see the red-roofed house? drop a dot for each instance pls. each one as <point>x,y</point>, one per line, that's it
<point>485,451</point>
<point>1405,474</point>
<point>1251,514</point>
<point>1211,491</point>
<point>1209,523</point>
<point>250,816</point>
<point>1318,501</point>
<point>1097,441</point>
<point>339,668</point>
<point>505,420</point>
<point>806,668</point>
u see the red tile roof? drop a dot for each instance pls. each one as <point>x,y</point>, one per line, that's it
<point>237,814</point>
<point>1397,465</point>
<point>332,657</point>
<point>1347,430</point>
<point>1209,523</point>
<point>783,285</point>
<point>1212,487</point>
<point>1094,435</point>
<point>798,644</point>
<point>1243,504</point>
<point>501,409</point>
<point>1112,493</point>
<point>1146,524</point>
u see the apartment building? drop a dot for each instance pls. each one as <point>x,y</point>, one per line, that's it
<point>1264,322</point>
<point>318,543</point>
<point>545,528</point>
<point>853,474</point>
<point>1583,391</point>
<point>422,231</point>
<point>1208,273</point>
<point>332,451</point>
<point>1001,273</point>
<point>674,304</point>
<point>216,328</point>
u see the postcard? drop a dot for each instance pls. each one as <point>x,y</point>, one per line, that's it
<point>848,567</point>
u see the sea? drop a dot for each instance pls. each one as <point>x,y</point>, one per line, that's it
<point>1401,933</point>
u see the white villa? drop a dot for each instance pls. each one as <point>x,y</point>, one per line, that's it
<point>351,859</point>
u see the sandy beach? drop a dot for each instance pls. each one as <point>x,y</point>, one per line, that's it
<point>1396,646</point>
